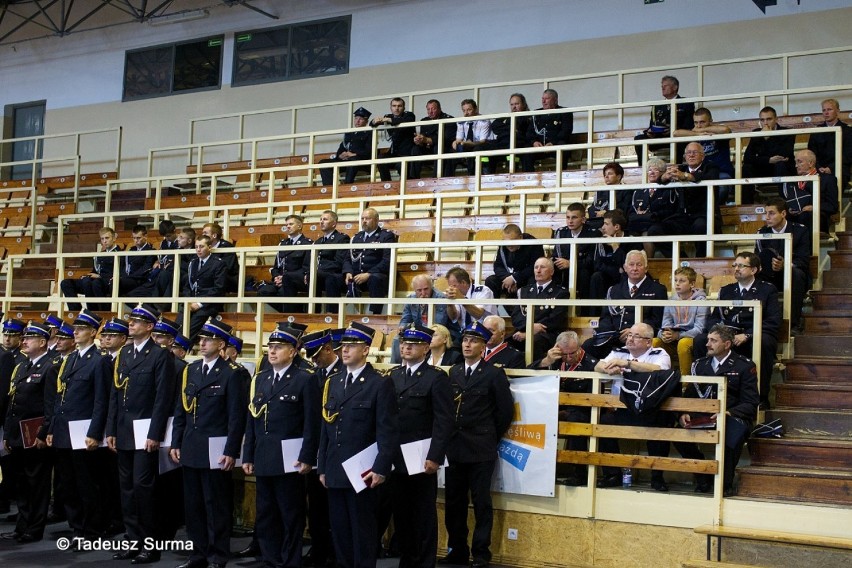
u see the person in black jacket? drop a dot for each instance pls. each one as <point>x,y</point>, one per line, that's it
<point>329,274</point>
<point>551,129</point>
<point>499,352</point>
<point>660,125</point>
<point>427,142</point>
<point>83,387</point>
<point>484,407</point>
<point>98,283</point>
<point>401,137</point>
<point>32,391</point>
<point>575,228</point>
<point>356,145</point>
<point>613,174</point>
<point>205,277</point>
<point>425,412</point>
<point>548,321</point>
<point>365,268</point>
<point>608,257</point>
<point>136,269</point>
<point>767,156</point>
<point>213,402</point>
<point>290,272</point>
<point>771,253</point>
<point>513,265</point>
<point>217,243</point>
<point>741,403</point>
<point>822,144</point>
<point>649,208</point>
<point>800,195</point>
<point>143,389</point>
<point>501,131</point>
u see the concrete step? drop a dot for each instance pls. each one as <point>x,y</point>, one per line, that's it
<point>803,395</point>
<point>810,423</point>
<point>816,453</point>
<point>832,370</point>
<point>823,346</point>
<point>796,484</point>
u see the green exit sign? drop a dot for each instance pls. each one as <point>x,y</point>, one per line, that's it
<point>243,38</point>
<point>214,42</point>
<point>653,1</point>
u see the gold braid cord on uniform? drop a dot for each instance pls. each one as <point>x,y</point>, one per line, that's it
<point>328,417</point>
<point>61,387</point>
<point>115,380</point>
<point>12,386</point>
<point>253,410</point>
<point>186,405</point>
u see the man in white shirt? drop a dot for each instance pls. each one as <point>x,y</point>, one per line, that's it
<point>462,314</point>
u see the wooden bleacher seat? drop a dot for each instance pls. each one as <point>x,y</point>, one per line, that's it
<point>414,255</point>
<point>777,537</point>
<point>94,179</point>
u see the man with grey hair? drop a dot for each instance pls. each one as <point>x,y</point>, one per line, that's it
<point>661,118</point>
<point>551,129</point>
<point>548,321</point>
<point>800,195</point>
<point>497,351</point>
<point>414,312</point>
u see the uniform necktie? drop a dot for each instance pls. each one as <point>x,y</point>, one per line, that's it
<point>204,370</point>
<point>487,353</point>
<point>350,378</point>
<point>715,365</point>
<point>540,289</point>
<point>408,373</point>
<point>468,373</point>
<point>633,290</point>
<point>276,379</point>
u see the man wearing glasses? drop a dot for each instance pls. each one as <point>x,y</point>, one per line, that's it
<point>636,355</point>
<point>741,318</point>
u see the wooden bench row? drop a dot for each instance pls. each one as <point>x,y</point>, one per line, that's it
<point>720,532</point>
<point>44,185</point>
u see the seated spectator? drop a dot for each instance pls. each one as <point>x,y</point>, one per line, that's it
<point>551,129</point>
<point>471,135</point>
<point>613,173</point>
<point>681,324</point>
<point>413,312</point>
<point>660,124</point>
<point>165,280</point>
<point>365,268</point>
<point>822,144</point>
<point>548,321</point>
<point>401,139</point>
<point>740,319</point>
<point>232,267</point>
<point>291,268</point>
<point>575,228</point>
<point>148,289</point>
<point>442,352</point>
<point>329,275</point>
<point>356,145</point>
<point>650,208</point>
<point>567,355</point>
<point>637,355</point>
<point>717,151</point>
<point>502,131</point>
<point>615,321</point>
<point>497,350</point>
<point>426,142</point>
<point>98,283</point>
<point>800,195</point>
<point>741,402</point>
<point>608,259</point>
<point>137,267</point>
<point>692,207</point>
<point>205,278</point>
<point>513,265</point>
<point>463,310</point>
<point>771,253</point>
<point>767,156</point>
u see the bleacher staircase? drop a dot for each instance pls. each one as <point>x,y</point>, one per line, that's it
<point>813,461</point>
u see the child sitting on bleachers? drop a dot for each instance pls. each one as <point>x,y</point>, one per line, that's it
<point>682,323</point>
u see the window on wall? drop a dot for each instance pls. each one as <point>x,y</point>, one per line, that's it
<point>299,51</point>
<point>169,69</point>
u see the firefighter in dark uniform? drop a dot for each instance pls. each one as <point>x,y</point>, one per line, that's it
<point>367,268</point>
<point>284,404</point>
<point>213,402</point>
<point>82,393</point>
<point>425,411</point>
<point>356,145</point>
<point>359,410</point>
<point>321,351</point>
<point>567,355</point>
<point>329,274</point>
<point>31,397</point>
<point>483,409</point>
<point>10,355</point>
<point>143,389</point>
<point>292,264</point>
<point>741,403</point>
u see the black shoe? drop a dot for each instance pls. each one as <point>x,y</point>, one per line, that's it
<point>146,557</point>
<point>252,550</point>
<point>730,492</point>
<point>609,481</point>
<point>13,535</point>
<point>454,560</point>
<point>659,485</point>
<point>125,554</point>
<point>27,538</point>
<point>703,485</point>
<point>197,563</point>
<point>572,480</point>
<point>216,565</point>
<point>480,563</point>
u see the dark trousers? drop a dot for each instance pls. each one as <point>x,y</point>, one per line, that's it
<point>318,523</point>
<point>199,317</point>
<point>473,479</point>
<point>623,417</point>
<point>327,174</point>
<point>79,471</point>
<point>88,287</point>
<point>332,284</point>
<point>377,287</point>
<point>291,285</point>
<point>353,527</point>
<point>31,468</point>
<point>495,284</point>
<point>126,284</point>
<point>542,342</point>
<point>575,443</point>
<point>137,473</point>
<point>168,496</point>
<point>736,434</point>
<point>445,167</point>
<point>280,519</point>
<point>415,518</point>
<point>209,507</point>
<point>111,496</point>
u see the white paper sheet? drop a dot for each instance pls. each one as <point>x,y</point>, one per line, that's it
<point>216,449</point>
<point>414,454</point>
<point>291,449</point>
<point>77,430</point>
<point>140,432</point>
<point>359,464</point>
